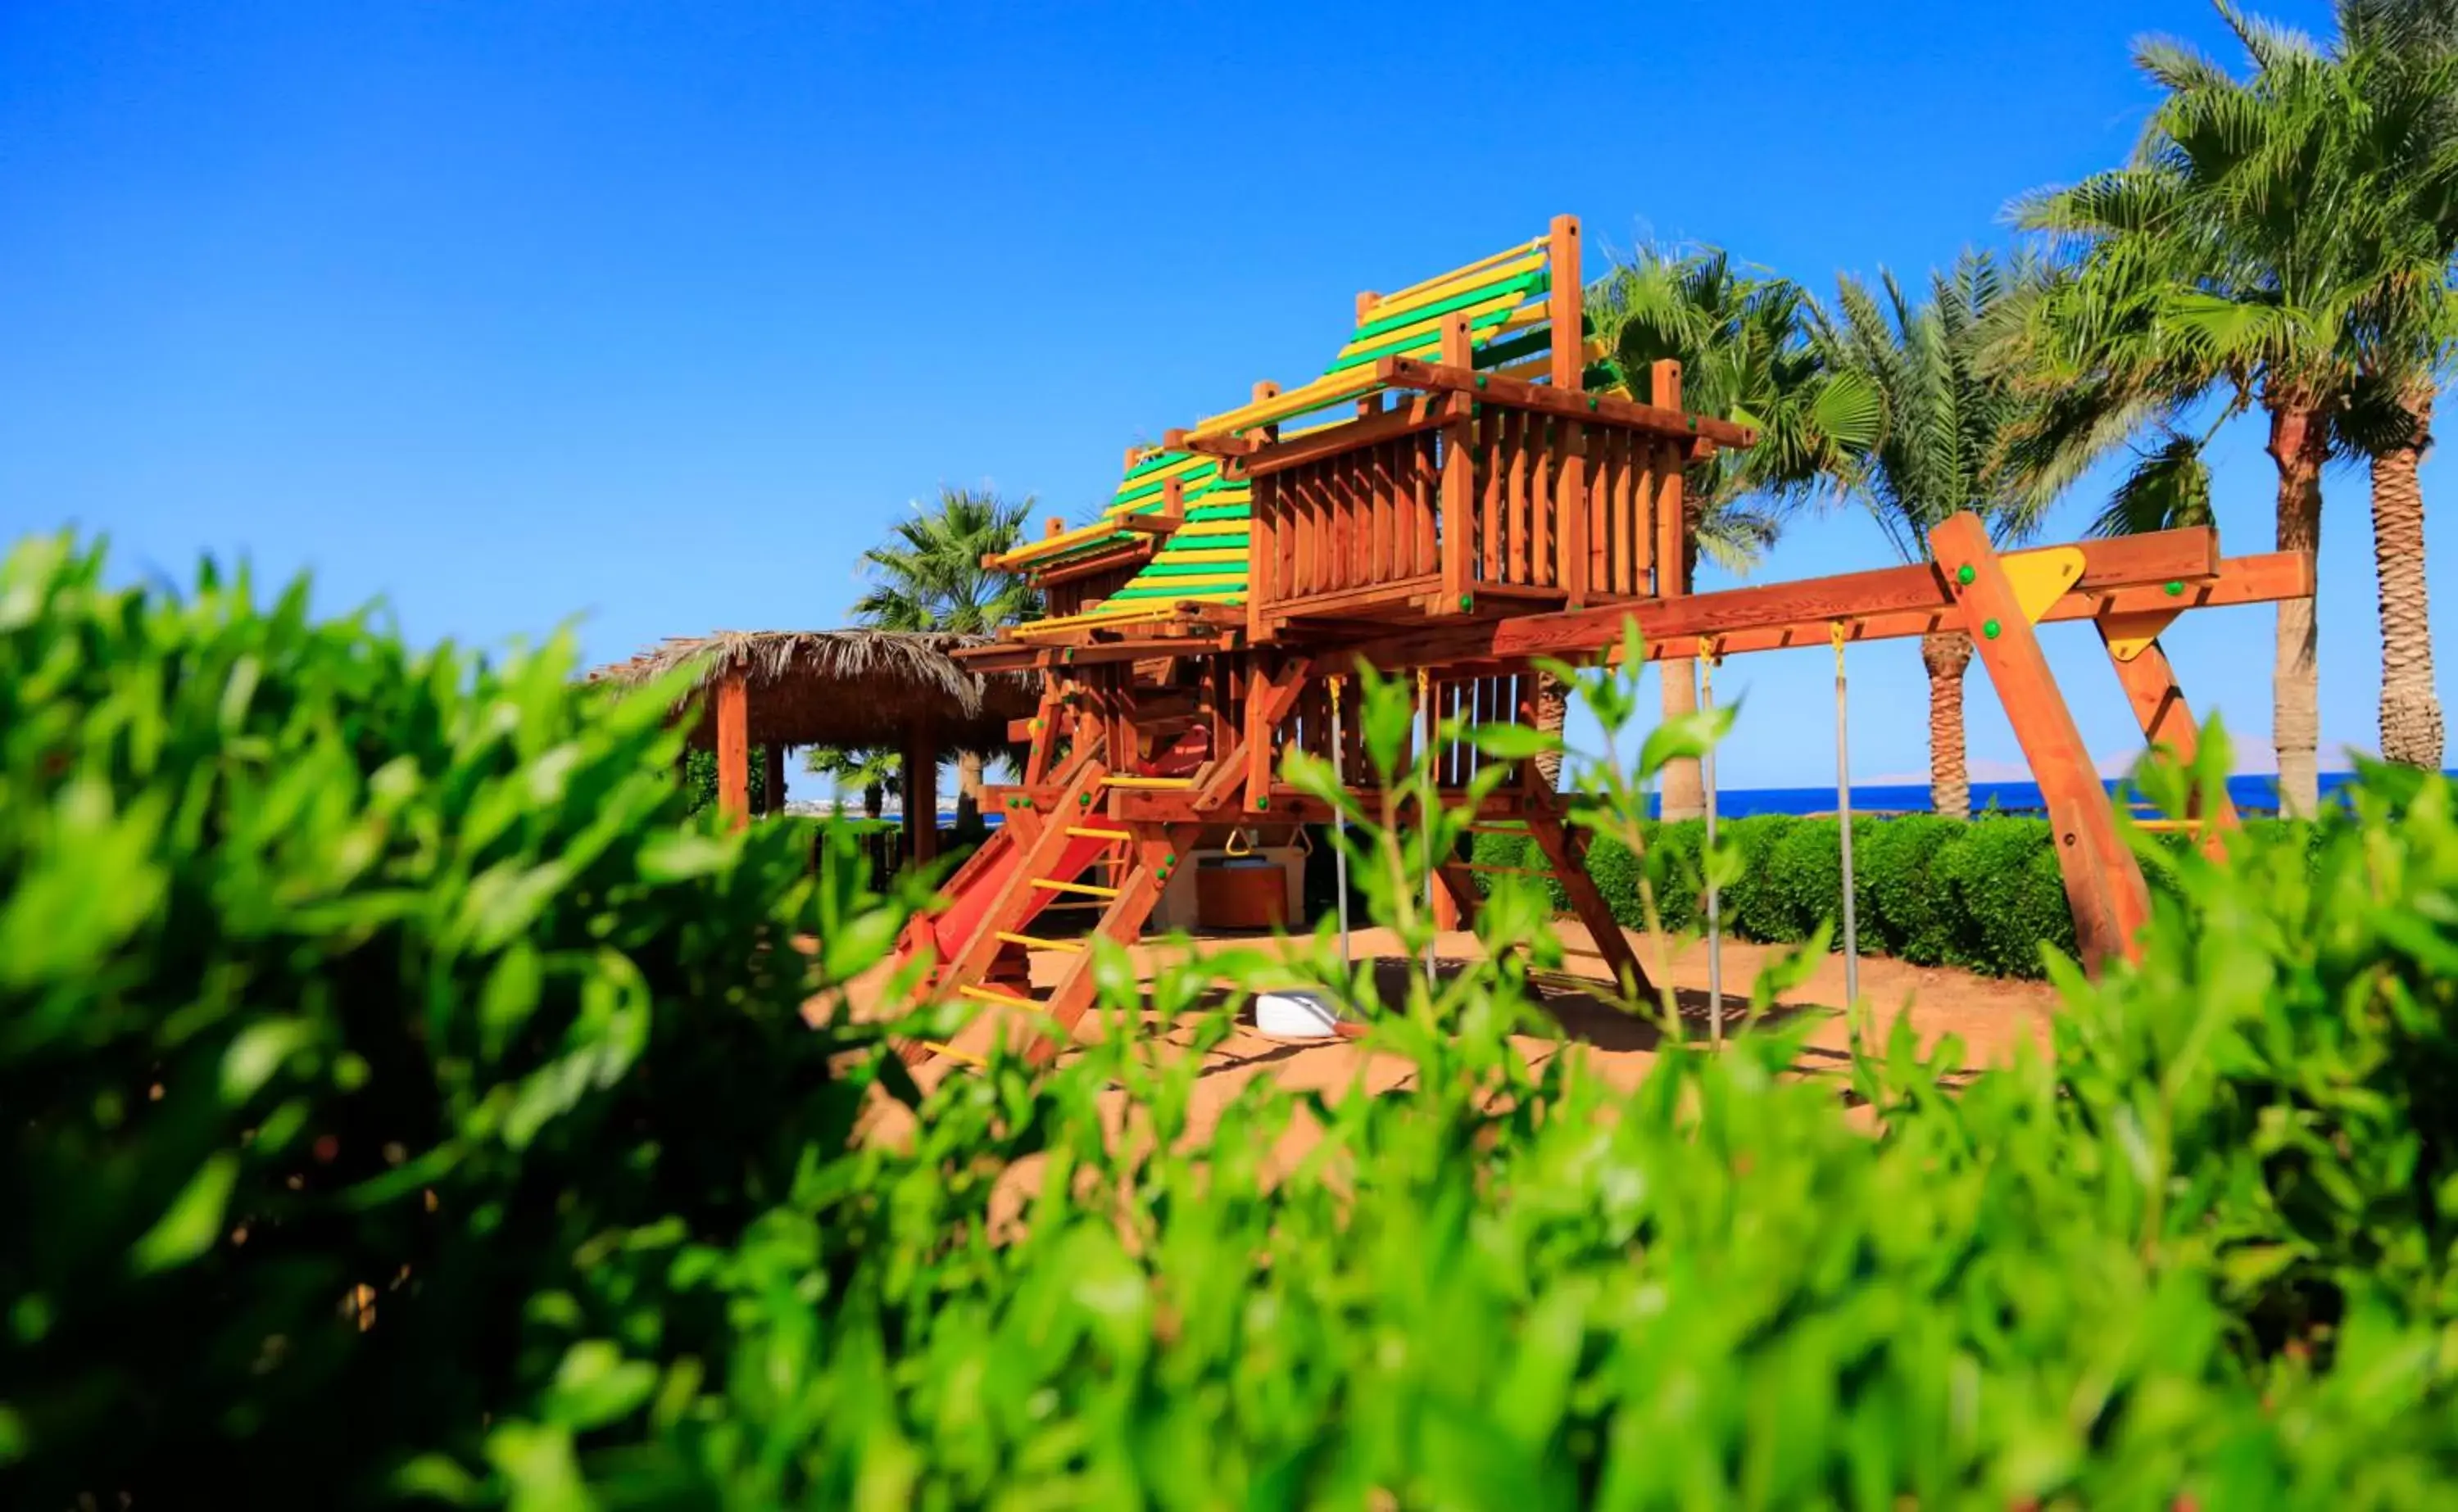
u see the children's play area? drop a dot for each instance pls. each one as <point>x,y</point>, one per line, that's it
<point>1469,485</point>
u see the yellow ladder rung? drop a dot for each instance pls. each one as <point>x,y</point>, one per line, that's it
<point>1084,832</point>
<point>1149,782</point>
<point>2171,824</point>
<point>1086,888</point>
<point>985,995</point>
<point>1036,942</point>
<point>936,1047</point>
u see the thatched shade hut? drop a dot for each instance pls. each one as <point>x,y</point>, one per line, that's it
<point>839,688</point>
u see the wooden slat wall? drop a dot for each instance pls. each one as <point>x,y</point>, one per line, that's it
<point>1348,524</point>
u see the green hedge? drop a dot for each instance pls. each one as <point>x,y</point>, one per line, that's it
<point>1984,895</point>
<point>326,965</point>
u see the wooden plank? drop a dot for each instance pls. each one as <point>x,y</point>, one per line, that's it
<point>1493,388</point>
<point>1571,508</point>
<point>1566,851</point>
<point>1351,600</point>
<point>1415,413</point>
<point>2103,880</point>
<point>1289,805</point>
<point>1514,494</point>
<point>1263,559</point>
<point>1562,300</point>
<point>1540,500</point>
<point>1458,509</point>
<point>734,748</point>
<point>1491,527</point>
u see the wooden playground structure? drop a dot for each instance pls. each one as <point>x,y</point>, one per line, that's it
<point>1473,488</point>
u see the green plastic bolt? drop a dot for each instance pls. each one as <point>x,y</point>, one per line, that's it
<point>1263,803</point>
<point>1594,403</point>
<point>1481,380</point>
<point>2175,591</point>
<point>1965,573</point>
<point>1694,423</point>
<point>1467,601</point>
<point>1083,801</point>
<point>1990,630</point>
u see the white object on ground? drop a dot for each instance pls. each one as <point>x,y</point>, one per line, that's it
<point>1295,1016</point>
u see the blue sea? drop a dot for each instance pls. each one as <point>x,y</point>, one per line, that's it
<point>2253,795</point>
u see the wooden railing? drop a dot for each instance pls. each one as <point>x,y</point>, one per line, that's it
<point>1450,505</point>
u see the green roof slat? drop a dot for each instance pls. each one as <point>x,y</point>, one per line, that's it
<point>1483,323</point>
<point>1527,285</point>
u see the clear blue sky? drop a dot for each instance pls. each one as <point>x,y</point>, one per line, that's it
<point>656,315</point>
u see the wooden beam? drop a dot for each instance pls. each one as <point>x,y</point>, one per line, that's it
<point>1888,603</point>
<point>2159,708</point>
<point>1418,412</point>
<point>1289,806</point>
<point>734,748</point>
<point>2103,880</point>
<point>1410,372</point>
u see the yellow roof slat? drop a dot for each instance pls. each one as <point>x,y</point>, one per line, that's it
<point>1433,326</point>
<point>1480,266</point>
<point>1448,285</point>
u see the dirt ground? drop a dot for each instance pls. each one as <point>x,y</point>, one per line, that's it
<point>1989,1016</point>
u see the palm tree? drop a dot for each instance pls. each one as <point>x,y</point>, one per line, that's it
<point>929,576</point>
<point>877,774</point>
<point>1742,339</point>
<point>1947,422</point>
<point>2282,240</point>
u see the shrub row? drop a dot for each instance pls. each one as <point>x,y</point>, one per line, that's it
<point>1984,895</point>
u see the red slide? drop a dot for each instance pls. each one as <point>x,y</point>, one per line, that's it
<point>980,881</point>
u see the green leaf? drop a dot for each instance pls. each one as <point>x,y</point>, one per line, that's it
<point>194,1220</point>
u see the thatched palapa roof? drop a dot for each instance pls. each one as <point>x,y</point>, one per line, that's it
<point>843,688</point>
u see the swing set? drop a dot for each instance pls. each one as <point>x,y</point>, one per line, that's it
<point>1469,488</point>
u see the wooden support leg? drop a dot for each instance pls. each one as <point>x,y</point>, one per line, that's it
<point>2103,880</point>
<point>734,748</point>
<point>2150,683</point>
<point>1566,851</point>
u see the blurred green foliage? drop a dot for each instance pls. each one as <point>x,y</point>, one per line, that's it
<point>299,928</point>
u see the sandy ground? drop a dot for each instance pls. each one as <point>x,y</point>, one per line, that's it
<point>1990,1017</point>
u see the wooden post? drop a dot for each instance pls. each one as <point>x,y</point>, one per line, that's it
<point>1458,481</point>
<point>921,793</point>
<point>2103,880</point>
<point>1562,306</point>
<point>1672,530</point>
<point>2150,684</point>
<point>734,748</point>
<point>772,776</point>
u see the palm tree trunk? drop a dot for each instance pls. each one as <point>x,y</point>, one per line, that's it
<point>1684,790</point>
<point>1553,707</point>
<point>968,787</point>
<point>1946,655</point>
<point>1684,793</point>
<point>2410,708</point>
<point>2299,445</point>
